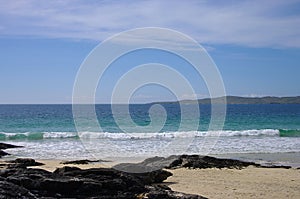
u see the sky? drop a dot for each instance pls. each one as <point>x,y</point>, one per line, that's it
<point>255,45</point>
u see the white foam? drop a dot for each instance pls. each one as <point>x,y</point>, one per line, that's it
<point>155,135</point>
<point>37,135</point>
<point>59,135</point>
<point>181,134</point>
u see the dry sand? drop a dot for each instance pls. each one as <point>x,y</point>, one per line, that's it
<point>250,182</point>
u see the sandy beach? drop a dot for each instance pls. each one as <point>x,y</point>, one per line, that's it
<point>250,182</point>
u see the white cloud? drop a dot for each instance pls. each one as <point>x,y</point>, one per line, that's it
<point>251,23</point>
<point>193,96</point>
<point>253,95</point>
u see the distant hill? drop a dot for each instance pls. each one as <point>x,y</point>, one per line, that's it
<point>244,100</point>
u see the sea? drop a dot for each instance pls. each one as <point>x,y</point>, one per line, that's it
<point>260,132</point>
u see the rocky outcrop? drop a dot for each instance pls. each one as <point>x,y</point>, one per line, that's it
<point>164,192</point>
<point>204,162</point>
<point>148,165</point>
<point>85,161</point>
<point>23,163</point>
<point>18,181</point>
<point>187,161</point>
<point>73,182</point>
<point>6,146</point>
<point>192,162</point>
<point>3,153</point>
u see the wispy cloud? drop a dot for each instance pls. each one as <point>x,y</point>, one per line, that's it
<point>251,23</point>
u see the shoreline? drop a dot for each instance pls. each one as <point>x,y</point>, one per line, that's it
<point>266,159</point>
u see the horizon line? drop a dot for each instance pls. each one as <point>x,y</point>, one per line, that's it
<point>259,97</point>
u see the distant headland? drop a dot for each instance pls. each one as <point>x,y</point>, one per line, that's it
<point>242,100</point>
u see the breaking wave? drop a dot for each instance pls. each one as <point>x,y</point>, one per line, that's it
<point>176,134</point>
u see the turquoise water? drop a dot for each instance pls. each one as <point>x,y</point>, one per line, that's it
<point>37,119</point>
<point>48,131</point>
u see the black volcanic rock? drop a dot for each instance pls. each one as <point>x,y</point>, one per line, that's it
<point>164,192</point>
<point>73,182</point>
<point>82,161</point>
<point>157,176</point>
<point>204,162</point>
<point>3,153</point>
<point>24,162</point>
<point>10,190</point>
<point>148,165</point>
<point>6,146</point>
<point>187,161</point>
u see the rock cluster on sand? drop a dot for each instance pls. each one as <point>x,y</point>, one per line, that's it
<point>85,161</point>
<point>192,162</point>
<point>139,182</point>
<point>204,162</point>
<point>71,182</point>
<point>6,146</point>
<point>187,161</point>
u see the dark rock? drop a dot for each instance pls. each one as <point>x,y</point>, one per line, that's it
<point>157,176</point>
<point>73,182</point>
<point>18,181</point>
<point>158,192</point>
<point>83,161</point>
<point>109,178</point>
<point>3,153</point>
<point>8,146</point>
<point>148,165</point>
<point>63,186</point>
<point>65,170</point>
<point>24,162</point>
<point>9,190</point>
<point>188,161</point>
<point>203,162</point>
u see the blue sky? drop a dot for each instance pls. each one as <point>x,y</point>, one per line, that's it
<point>255,44</point>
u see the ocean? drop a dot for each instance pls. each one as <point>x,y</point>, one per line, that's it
<point>49,132</point>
